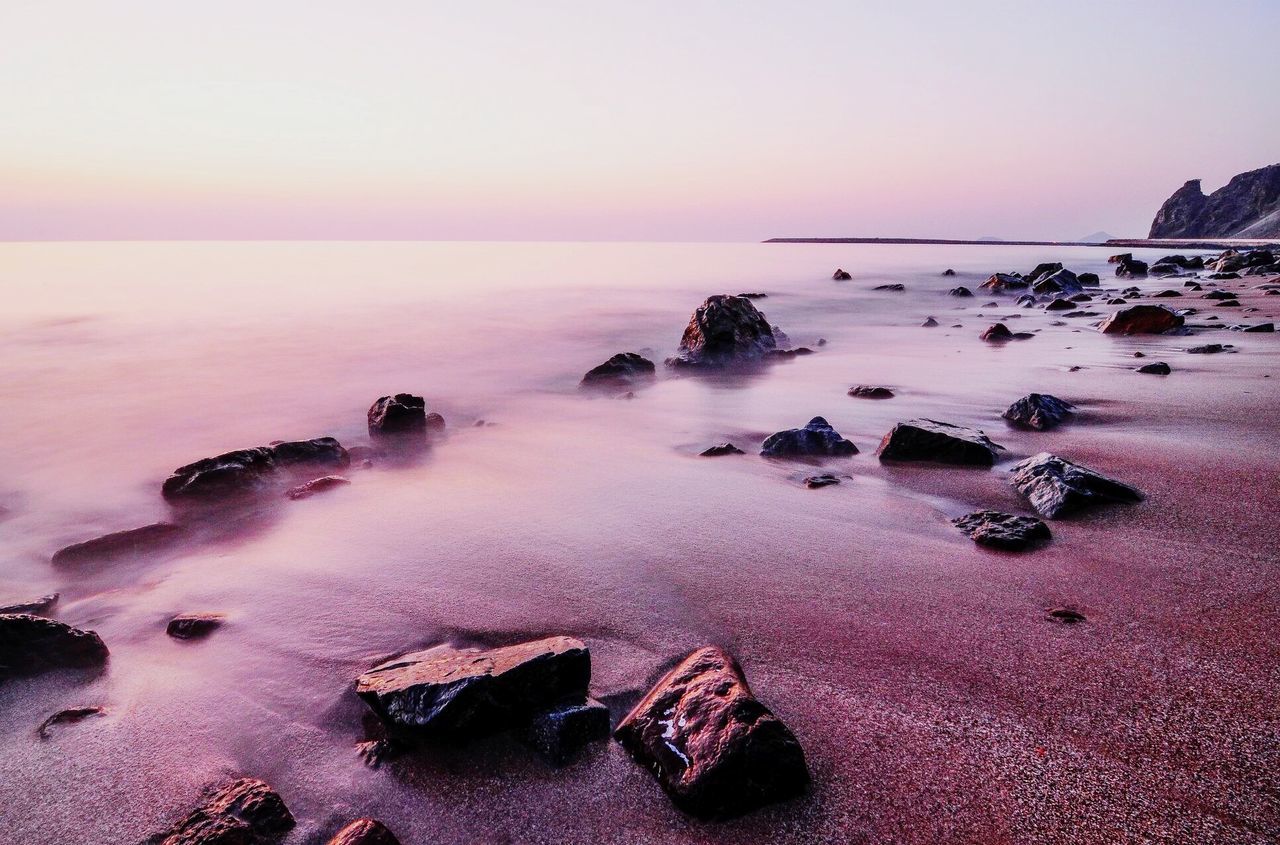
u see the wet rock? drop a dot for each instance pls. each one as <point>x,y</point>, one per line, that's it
<point>192,626</point>
<point>1163,270</point>
<point>817,439</point>
<point>930,440</point>
<point>724,330</point>
<point>754,295</point>
<point>67,717</point>
<point>1222,277</point>
<point>402,414</point>
<point>814,482</point>
<point>1062,281</point>
<point>364,832</point>
<point>1043,270</point>
<point>317,485</point>
<point>1208,349</point>
<point>867,391</point>
<point>1230,303</point>
<point>1060,305</point>
<point>1089,280</point>
<point>840,275</point>
<point>1057,487</point>
<point>1141,319</point>
<point>999,332</point>
<point>559,733</point>
<point>457,693</point>
<point>1131,268</point>
<point>435,422</point>
<point>960,291</point>
<point>1260,327</point>
<point>1183,262</point>
<point>1081,297</point>
<point>929,323</point>
<point>241,471</point>
<point>1002,530</point>
<point>1157,368</point>
<point>1218,294</point>
<point>1117,301</point>
<point>1166,294</point>
<point>32,644</point>
<point>714,748</point>
<point>788,353</point>
<point>948,272</point>
<point>35,607</point>
<point>1039,411</point>
<point>1066,615</point>
<point>1004,282</point>
<point>245,812</point>
<point>1027,300</point>
<point>722,449</point>
<point>622,370</point>
<point>319,451</point>
<point>895,287</point>
<point>1122,257</point>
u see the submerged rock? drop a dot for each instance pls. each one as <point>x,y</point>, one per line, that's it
<point>317,485</point>
<point>948,272</point>
<point>35,607</point>
<point>721,450</point>
<point>457,693</point>
<point>1141,319</point>
<point>724,330</point>
<point>246,812</point>
<point>714,748</point>
<point>401,414</point>
<point>240,471</point>
<point>930,440</point>
<point>817,439</point>
<point>999,332</point>
<point>32,644</point>
<point>960,291</point>
<point>1066,615</point>
<point>867,391</point>
<point>622,370</point>
<point>1002,530</point>
<point>814,482</point>
<point>66,717</point>
<point>1039,411</point>
<point>1057,487</point>
<point>364,832</point>
<point>1131,268</point>
<point>559,733</point>
<point>929,323</point>
<point>840,275</point>
<point>1089,280</point>
<point>1004,282</point>
<point>1060,305</point>
<point>893,287</point>
<point>1208,349</point>
<point>1061,281</point>
<point>191,626</point>
<point>318,451</point>
<point>1156,368</point>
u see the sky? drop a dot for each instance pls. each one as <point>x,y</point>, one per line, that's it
<point>598,120</point>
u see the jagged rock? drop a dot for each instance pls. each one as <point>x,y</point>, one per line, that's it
<point>559,733</point>
<point>241,471</point>
<point>840,275</point>
<point>192,626</point>
<point>66,717</point>
<point>866,391</point>
<point>1002,530</point>
<point>456,693</point>
<point>1157,368</point>
<point>929,323</point>
<point>930,440</point>
<point>364,832</point>
<point>402,414</point>
<point>317,485</point>
<point>1132,268</point>
<point>1043,270</point>
<point>136,541</point>
<point>1164,270</point>
<point>714,748</point>
<point>1039,411</point>
<point>1005,282</point>
<point>894,287</point>
<point>622,370</point>
<point>1141,319</point>
<point>1057,487</point>
<point>1062,281</point>
<point>32,644</point>
<point>1195,262</point>
<point>817,439</point>
<point>960,291</point>
<point>35,607</point>
<point>245,812</point>
<point>1027,300</point>
<point>722,449</point>
<point>724,330</point>
<point>1246,207</point>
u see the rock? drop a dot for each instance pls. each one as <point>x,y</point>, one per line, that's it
<point>1183,262</point>
<point>1060,305</point>
<point>724,330</point>
<point>896,288</point>
<point>364,832</point>
<point>1230,303</point>
<point>1163,270</point>
<point>814,482</point>
<point>788,353</point>
<point>319,451</point>
<point>1080,297</point>
<point>1066,615</point>
<point>1260,327</point>
<point>1027,300</point>
<point>1208,349</point>
<point>948,272</point>
<point>559,733</point>
<point>1158,368</point>
<point>1089,280</point>
<point>929,323</point>
<point>66,717</point>
<point>1132,268</point>
<point>398,415</point>
<point>622,370</point>
<point>1166,294</point>
<point>722,449</point>
<point>1043,270</point>
<point>754,295</point>
<point>817,439</point>
<point>1222,277</point>
<point>1117,301</point>
<point>714,748</point>
<point>245,812</point>
<point>1002,530</point>
<point>1218,294</point>
<point>1039,411</point>
<point>1141,319</point>
<point>241,471</point>
<point>999,332</point>
<point>1121,258</point>
<point>1190,285</point>
<point>192,626</point>
<point>457,693</point>
<point>1057,487</point>
<point>317,485</point>
<point>866,391</point>
<point>1004,282</point>
<point>840,275</point>
<point>435,422</point>
<point>32,644</point>
<point>1063,281</point>
<point>1246,207</point>
<point>35,607</point>
<point>930,440</point>
<point>960,291</point>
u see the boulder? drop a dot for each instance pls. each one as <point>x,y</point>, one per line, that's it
<point>622,370</point>
<point>1089,280</point>
<point>317,485</point>
<point>559,733</point>
<point>35,607</point>
<point>457,693</point>
<point>136,541</point>
<point>817,439</point>
<point>1043,270</point>
<point>364,832</point>
<point>1167,294</point>
<point>1132,268</point>
<point>245,812</point>
<point>1163,270</point>
<point>402,414</point>
<point>867,391</point>
<point>711,744</point>
<point>929,323</point>
<point>1122,257</point>
<point>948,272</point>
<point>193,626</point>
<point>230,473</point>
<point>1039,411</point>
<point>999,332</point>
<point>32,644</point>
<point>1060,305</point>
<point>1004,282</point>
<point>840,275</point>
<point>1218,294</point>
<point>1260,328</point>
<point>1002,530</point>
<point>1057,487</point>
<point>1156,368</point>
<point>1141,319</point>
<point>930,440</point>
<point>724,330</point>
<point>721,450</point>
<point>960,291</point>
<point>1063,281</point>
<point>319,451</point>
<point>1209,349</point>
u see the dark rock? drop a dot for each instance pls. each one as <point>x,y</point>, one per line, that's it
<point>1190,285</point>
<point>1057,487</point>
<point>999,332</point>
<point>621,370</point>
<point>317,485</point>
<point>817,439</point>
<point>192,626</point>
<point>1246,207</point>
<point>1222,277</point>
<point>1038,410</point>
<point>1218,294</point>
<point>1060,305</point>
<point>1117,301</point>
<point>1002,530</point>
<point>456,693</point>
<point>402,414</point>
<point>32,644</point>
<point>559,733</point>
<point>435,422</point>
<point>1081,297</point>
<point>1230,303</point>
<point>1089,280</point>
<point>1132,268</point>
<point>788,353</point>
<point>1043,270</point>
<point>1121,258</point>
<point>1066,615</point>
<point>894,287</point>
<point>866,391</point>
<point>714,748</point>
<point>241,471</point>
<point>66,717</point>
<point>960,291</point>
<point>1163,270</point>
<point>1141,319</point>
<point>245,812</point>
<point>1208,349</point>
<point>722,449</point>
<point>1260,327</point>
<point>1166,294</point>
<point>948,272</point>
<point>754,295</point>
<point>1158,368</point>
<point>1063,281</point>
<point>1005,282</point>
<point>930,440</point>
<point>319,451</point>
<point>840,275</point>
<point>929,323</point>
<point>724,330</point>
<point>364,832</point>
<point>35,607</point>
<point>1182,262</point>
<point>814,482</point>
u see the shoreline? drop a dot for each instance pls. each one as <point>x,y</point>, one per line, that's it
<point>1139,243</point>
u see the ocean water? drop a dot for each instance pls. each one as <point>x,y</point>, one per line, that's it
<point>914,667</point>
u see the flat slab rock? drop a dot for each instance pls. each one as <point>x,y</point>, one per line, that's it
<point>148,539</point>
<point>1005,531</point>
<point>32,644</point>
<point>455,693</point>
<point>929,440</point>
<point>1039,411</point>
<point>194,626</point>
<point>1057,487</point>
<point>816,439</point>
<point>724,330</point>
<point>364,832</point>
<point>245,812</point>
<point>720,451</point>
<point>35,607</point>
<point>317,485</point>
<point>714,748</point>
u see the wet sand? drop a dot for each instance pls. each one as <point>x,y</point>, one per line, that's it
<point>933,698</point>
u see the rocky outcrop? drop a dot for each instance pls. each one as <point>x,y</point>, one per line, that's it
<point>622,370</point>
<point>1141,319</point>
<point>1057,487</point>
<point>1002,530</point>
<point>32,644</point>
<point>817,439</point>
<point>1246,207</point>
<point>714,748</point>
<point>136,541</point>
<point>1039,411</point>
<point>316,452</point>
<point>724,330</point>
<point>930,440</point>
<point>193,626</point>
<point>246,812</point>
<point>364,832</point>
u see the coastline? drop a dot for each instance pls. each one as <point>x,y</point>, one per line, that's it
<point>1137,243</point>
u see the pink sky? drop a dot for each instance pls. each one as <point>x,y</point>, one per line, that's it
<point>669,121</point>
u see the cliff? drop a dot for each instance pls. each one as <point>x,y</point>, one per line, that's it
<point>1246,207</point>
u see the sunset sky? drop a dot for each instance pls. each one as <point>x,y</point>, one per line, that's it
<point>628,121</point>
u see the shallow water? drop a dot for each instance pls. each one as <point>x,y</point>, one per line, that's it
<point>933,700</point>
